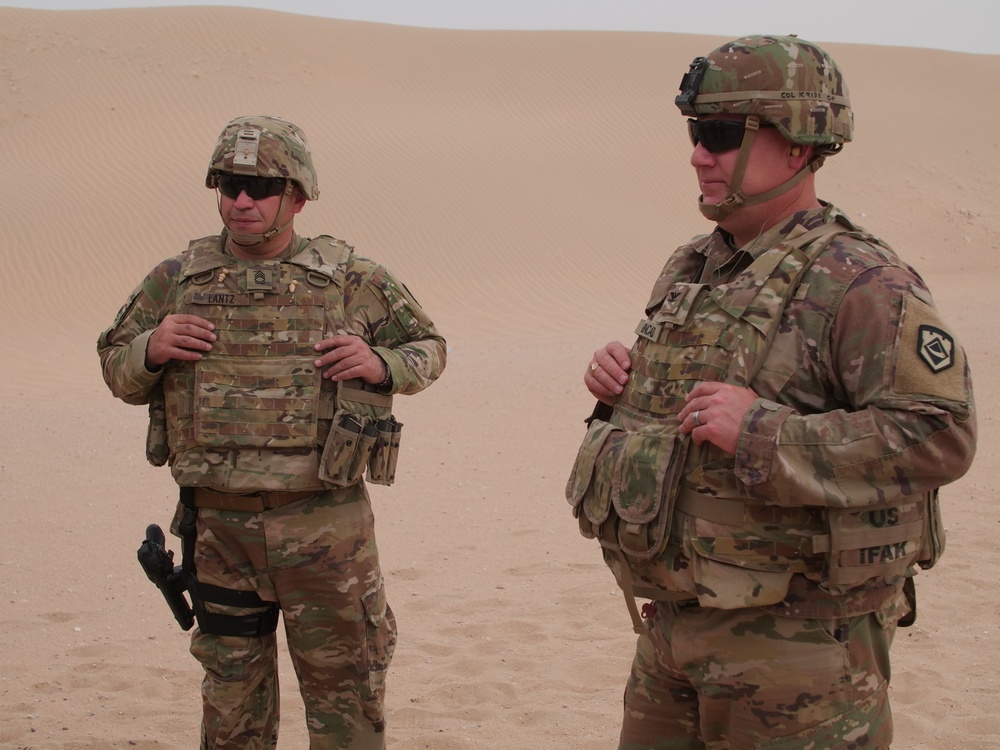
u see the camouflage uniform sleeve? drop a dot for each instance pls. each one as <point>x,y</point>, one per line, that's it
<point>906,423</point>
<point>122,347</point>
<point>381,310</point>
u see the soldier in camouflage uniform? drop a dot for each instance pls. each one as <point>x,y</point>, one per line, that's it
<point>268,362</point>
<point>763,465</point>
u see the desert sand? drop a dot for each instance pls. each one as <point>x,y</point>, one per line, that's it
<point>527,186</point>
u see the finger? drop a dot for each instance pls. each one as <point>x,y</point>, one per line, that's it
<point>608,370</point>
<point>688,423</point>
<point>706,388</point>
<point>187,355</point>
<point>333,356</point>
<point>339,340</point>
<point>190,320</point>
<point>194,343</point>
<point>192,332</point>
<point>358,366</point>
<point>347,362</point>
<point>602,383</point>
<point>621,355</point>
<point>692,406</point>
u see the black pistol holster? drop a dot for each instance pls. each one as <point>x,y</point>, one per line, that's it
<point>174,581</point>
<point>158,562</point>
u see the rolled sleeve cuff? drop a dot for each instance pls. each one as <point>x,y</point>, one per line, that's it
<point>759,441</point>
<point>135,364</point>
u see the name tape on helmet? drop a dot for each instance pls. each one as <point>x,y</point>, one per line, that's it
<point>740,96</point>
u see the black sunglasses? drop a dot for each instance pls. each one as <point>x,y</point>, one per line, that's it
<point>256,188</point>
<point>718,136</point>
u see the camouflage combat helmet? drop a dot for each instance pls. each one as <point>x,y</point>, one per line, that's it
<point>782,81</point>
<point>786,81</point>
<point>264,146</point>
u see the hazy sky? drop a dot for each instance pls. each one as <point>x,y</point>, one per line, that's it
<point>959,25</point>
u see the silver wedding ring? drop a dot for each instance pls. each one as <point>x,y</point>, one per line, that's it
<point>694,416</point>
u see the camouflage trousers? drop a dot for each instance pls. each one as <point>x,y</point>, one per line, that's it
<point>318,560</point>
<point>746,679</point>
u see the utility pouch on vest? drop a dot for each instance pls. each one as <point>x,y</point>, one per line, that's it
<point>872,542</point>
<point>364,427</point>
<point>636,473</point>
<point>359,461</point>
<point>342,444</point>
<point>934,536</point>
<point>157,450</point>
<point>583,490</point>
<point>382,463</point>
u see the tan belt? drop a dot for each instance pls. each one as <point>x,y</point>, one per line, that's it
<point>253,502</point>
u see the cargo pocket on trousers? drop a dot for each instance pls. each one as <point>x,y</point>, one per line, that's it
<point>831,733</point>
<point>380,643</point>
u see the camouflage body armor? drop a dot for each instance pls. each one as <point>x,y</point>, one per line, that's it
<point>255,413</point>
<point>638,485</point>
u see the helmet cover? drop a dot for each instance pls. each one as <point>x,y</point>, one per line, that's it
<point>264,146</point>
<point>786,81</point>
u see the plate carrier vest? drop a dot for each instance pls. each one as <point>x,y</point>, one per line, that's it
<point>256,400</point>
<point>636,478</point>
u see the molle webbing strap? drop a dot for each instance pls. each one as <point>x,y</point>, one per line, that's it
<point>848,546</point>
<point>354,390</point>
<point>625,579</point>
<point>710,508</point>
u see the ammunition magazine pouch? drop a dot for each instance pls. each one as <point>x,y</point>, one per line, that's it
<point>364,436</point>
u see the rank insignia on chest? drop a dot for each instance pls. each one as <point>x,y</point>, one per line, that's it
<point>678,303</point>
<point>673,300</point>
<point>260,279</point>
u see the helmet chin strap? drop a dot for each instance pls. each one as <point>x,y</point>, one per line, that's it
<point>736,199</point>
<point>251,240</point>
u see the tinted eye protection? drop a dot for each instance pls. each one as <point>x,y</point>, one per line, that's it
<point>256,188</point>
<point>718,136</point>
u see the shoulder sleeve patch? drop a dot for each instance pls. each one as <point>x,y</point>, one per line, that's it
<point>935,347</point>
<point>928,359</point>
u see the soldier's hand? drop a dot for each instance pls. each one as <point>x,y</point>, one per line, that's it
<point>349,357</point>
<point>182,337</point>
<point>607,374</point>
<point>714,412</point>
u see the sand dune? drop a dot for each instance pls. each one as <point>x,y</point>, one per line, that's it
<point>527,186</point>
